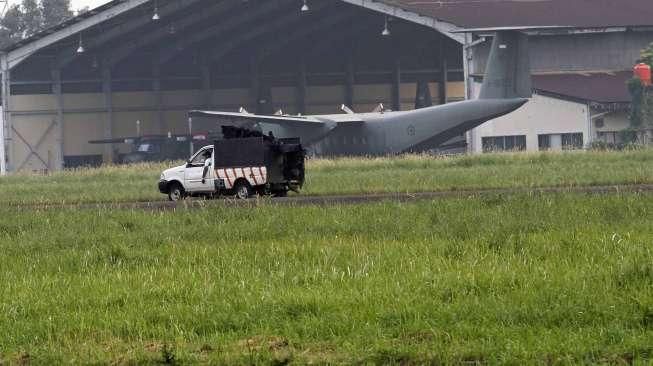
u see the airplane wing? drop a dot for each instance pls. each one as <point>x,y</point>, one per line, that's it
<point>289,121</point>
<point>119,140</point>
<point>146,138</point>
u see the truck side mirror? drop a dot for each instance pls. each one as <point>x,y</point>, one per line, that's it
<point>207,163</point>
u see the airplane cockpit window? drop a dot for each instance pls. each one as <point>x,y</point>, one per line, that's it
<point>149,148</point>
<point>144,148</point>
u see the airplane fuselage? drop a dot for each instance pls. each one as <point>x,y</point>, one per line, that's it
<point>395,132</point>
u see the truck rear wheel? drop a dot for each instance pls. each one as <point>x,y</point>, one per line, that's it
<point>242,190</point>
<point>175,192</point>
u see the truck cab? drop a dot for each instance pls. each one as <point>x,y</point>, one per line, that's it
<point>192,178</point>
<point>239,167</point>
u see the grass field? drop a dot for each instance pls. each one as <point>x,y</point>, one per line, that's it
<point>552,279</point>
<point>355,175</point>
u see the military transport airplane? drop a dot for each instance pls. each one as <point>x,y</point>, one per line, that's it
<point>506,87</point>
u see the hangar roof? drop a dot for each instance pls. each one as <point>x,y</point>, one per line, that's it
<point>601,88</point>
<point>479,13</point>
<point>503,13</point>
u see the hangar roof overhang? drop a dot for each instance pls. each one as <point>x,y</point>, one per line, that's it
<point>599,88</point>
<point>530,13</point>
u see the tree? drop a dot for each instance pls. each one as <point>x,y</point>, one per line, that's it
<point>30,17</point>
<point>55,12</point>
<point>11,26</point>
<point>83,10</point>
<point>641,110</point>
<point>647,55</point>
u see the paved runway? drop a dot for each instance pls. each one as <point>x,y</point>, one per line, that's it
<point>349,199</point>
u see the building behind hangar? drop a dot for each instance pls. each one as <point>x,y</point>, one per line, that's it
<point>581,94</point>
<point>152,60</point>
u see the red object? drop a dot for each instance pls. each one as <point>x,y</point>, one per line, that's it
<point>643,73</point>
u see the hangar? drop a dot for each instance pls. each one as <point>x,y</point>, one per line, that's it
<point>137,66</point>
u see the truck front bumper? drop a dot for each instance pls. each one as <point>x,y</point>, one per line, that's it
<point>163,186</point>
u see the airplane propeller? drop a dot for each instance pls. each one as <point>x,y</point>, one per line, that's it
<point>346,109</point>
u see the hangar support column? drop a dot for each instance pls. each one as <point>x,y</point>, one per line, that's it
<point>108,104</point>
<point>57,91</point>
<point>156,87</point>
<point>467,62</point>
<point>6,148</point>
<point>350,80</point>
<point>396,86</point>
<point>206,83</point>
<point>3,159</point>
<point>301,86</point>
<point>444,74</point>
<point>254,84</point>
<point>3,154</point>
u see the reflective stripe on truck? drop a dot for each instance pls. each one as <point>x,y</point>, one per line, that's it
<point>255,176</point>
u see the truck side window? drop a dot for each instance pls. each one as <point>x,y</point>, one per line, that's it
<point>201,157</point>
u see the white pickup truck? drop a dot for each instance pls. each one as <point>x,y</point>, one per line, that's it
<point>239,167</point>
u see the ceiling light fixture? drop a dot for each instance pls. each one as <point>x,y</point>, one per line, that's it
<point>386,30</point>
<point>305,7</point>
<point>155,16</point>
<point>80,47</point>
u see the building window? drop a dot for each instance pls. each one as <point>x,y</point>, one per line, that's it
<point>609,137</point>
<point>572,141</point>
<point>560,141</point>
<point>599,123</point>
<point>504,143</point>
<point>544,142</point>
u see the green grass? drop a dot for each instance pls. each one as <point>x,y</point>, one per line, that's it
<point>411,173</point>
<point>562,279</point>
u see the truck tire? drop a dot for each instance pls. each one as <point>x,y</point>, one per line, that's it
<point>242,190</point>
<point>176,192</point>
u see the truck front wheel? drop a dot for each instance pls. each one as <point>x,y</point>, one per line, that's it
<point>242,190</point>
<point>175,192</point>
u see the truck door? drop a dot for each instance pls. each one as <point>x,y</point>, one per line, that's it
<point>194,178</point>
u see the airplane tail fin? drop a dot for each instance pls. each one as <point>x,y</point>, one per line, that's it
<point>507,74</point>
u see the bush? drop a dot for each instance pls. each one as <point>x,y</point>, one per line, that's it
<point>603,146</point>
<point>620,146</point>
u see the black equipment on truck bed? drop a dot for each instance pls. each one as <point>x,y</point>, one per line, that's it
<point>283,158</point>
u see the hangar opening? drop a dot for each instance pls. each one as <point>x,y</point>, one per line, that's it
<point>137,67</point>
